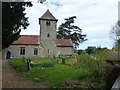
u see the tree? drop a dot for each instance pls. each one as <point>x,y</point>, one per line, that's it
<point>69,31</point>
<point>117,45</point>
<point>80,51</point>
<point>13,20</point>
<point>115,34</point>
<point>90,50</point>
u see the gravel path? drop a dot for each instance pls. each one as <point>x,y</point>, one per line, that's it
<point>11,79</point>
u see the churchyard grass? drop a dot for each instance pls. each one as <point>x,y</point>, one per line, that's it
<point>89,72</point>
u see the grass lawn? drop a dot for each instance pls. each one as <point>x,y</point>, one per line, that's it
<point>54,75</point>
<point>86,72</point>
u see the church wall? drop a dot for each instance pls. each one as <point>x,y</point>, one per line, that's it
<point>29,51</point>
<point>64,51</point>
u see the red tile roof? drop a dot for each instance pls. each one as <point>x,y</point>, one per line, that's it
<point>27,39</point>
<point>64,43</point>
<point>34,40</point>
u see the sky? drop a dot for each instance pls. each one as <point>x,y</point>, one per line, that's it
<point>94,17</point>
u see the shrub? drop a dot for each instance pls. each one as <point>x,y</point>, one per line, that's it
<point>84,74</point>
<point>96,70</point>
<point>47,64</point>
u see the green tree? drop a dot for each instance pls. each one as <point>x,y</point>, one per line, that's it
<point>90,50</point>
<point>69,31</point>
<point>13,20</point>
<point>79,52</point>
<point>115,35</point>
<point>117,45</point>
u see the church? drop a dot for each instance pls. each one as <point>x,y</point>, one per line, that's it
<point>45,44</point>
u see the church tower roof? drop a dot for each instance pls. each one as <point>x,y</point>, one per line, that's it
<point>48,16</point>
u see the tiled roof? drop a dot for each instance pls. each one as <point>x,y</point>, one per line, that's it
<point>27,39</point>
<point>34,39</point>
<point>64,43</point>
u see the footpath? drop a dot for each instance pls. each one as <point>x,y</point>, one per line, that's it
<point>11,79</point>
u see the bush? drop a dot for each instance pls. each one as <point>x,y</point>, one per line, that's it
<point>47,64</point>
<point>44,64</point>
<point>79,52</point>
<point>95,69</point>
<point>84,74</point>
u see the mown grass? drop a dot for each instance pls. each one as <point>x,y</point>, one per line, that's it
<point>56,60</point>
<point>55,76</point>
<point>87,69</point>
<point>19,65</point>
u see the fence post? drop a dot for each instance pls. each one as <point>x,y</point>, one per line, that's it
<point>28,64</point>
<point>63,60</point>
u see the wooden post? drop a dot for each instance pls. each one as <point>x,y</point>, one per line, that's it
<point>63,60</point>
<point>28,64</point>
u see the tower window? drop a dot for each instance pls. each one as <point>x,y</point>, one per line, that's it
<point>48,35</point>
<point>22,50</point>
<point>48,23</point>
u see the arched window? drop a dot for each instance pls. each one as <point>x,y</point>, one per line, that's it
<point>48,23</point>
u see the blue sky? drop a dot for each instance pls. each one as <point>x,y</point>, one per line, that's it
<point>94,17</point>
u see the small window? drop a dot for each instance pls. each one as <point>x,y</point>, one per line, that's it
<point>22,50</point>
<point>48,23</point>
<point>48,51</point>
<point>48,35</point>
<point>36,51</point>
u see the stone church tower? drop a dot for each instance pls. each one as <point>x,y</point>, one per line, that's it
<point>48,25</point>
